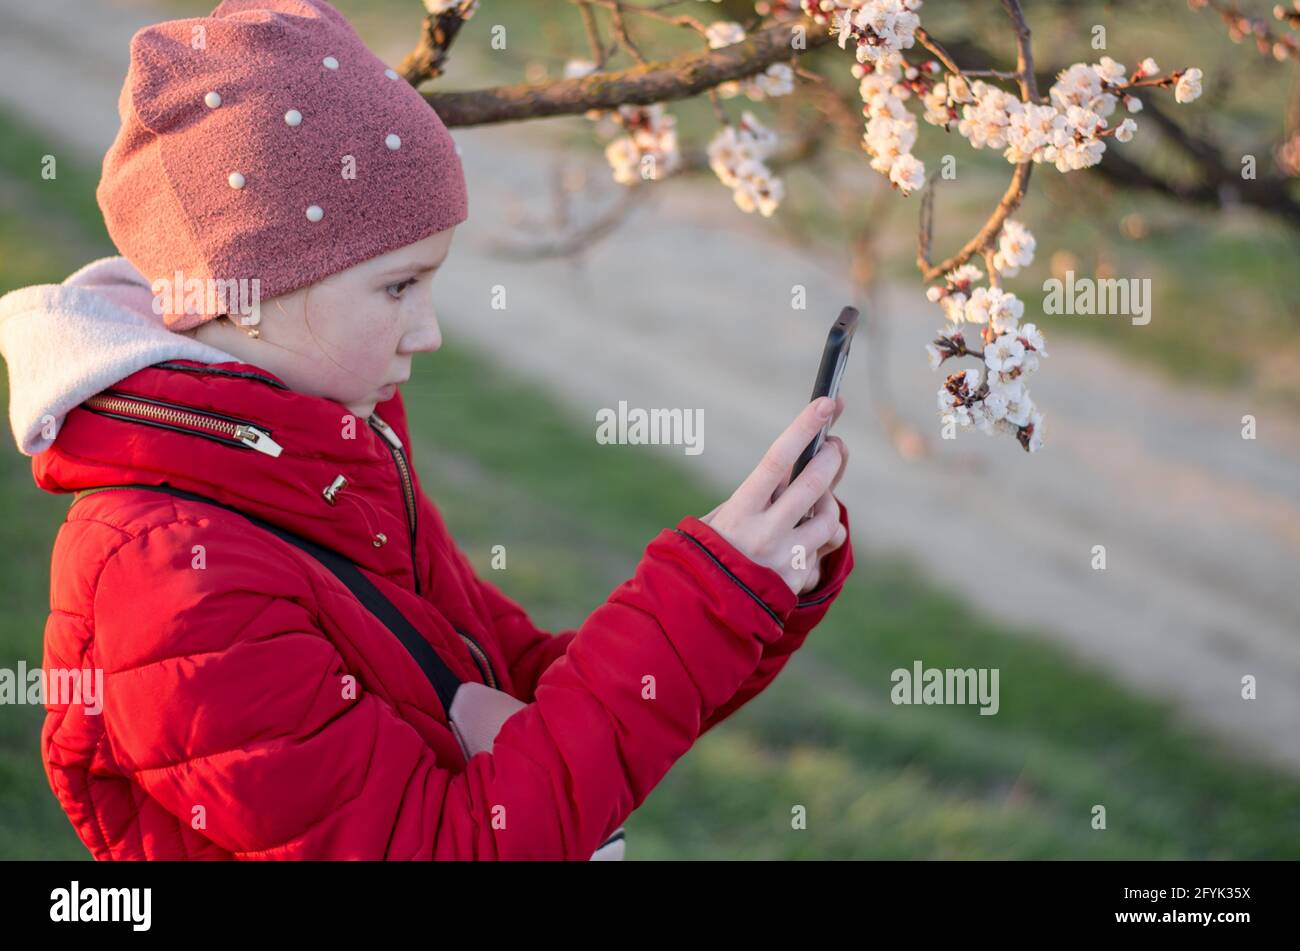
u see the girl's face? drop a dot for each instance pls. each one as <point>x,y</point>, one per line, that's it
<point>351,336</point>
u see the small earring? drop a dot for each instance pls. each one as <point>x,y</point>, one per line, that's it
<point>254,332</point>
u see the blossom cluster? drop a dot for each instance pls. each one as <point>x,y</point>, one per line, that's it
<point>996,398</point>
<point>1070,128</point>
<point>878,29</point>
<point>645,146</point>
<point>737,152</point>
<point>737,155</point>
<point>648,150</point>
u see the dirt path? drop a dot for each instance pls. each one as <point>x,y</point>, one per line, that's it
<point>688,306</point>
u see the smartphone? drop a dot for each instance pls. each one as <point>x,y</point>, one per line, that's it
<point>829,374</point>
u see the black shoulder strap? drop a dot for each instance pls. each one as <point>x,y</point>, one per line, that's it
<point>440,675</point>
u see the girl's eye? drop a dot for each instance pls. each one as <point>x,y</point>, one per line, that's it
<point>395,290</point>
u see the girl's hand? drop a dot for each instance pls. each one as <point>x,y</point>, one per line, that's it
<point>761,517</point>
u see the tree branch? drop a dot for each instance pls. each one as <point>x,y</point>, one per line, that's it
<point>662,80</point>
<point>985,237</point>
<point>429,57</point>
<point>1015,192</point>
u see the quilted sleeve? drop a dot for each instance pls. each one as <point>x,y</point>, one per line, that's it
<point>807,614</point>
<point>529,650</point>
<point>223,701</point>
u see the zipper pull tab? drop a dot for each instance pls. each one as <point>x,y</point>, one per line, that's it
<point>387,432</point>
<point>257,439</point>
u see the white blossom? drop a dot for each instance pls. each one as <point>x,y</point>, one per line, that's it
<point>1003,355</point>
<point>964,276</point>
<point>1035,442</point>
<point>954,307</point>
<point>984,123</point>
<point>908,173</point>
<point>757,189</point>
<point>1019,405</point>
<point>1188,87</point>
<point>1109,71</point>
<point>1015,249</point>
<point>776,80</point>
<point>578,68</point>
<point>1000,309</point>
<point>1030,131</point>
<point>936,106</point>
<point>723,33</point>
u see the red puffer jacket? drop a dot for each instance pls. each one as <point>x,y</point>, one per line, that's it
<point>228,728</point>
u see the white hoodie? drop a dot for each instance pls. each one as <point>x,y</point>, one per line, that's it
<point>66,342</point>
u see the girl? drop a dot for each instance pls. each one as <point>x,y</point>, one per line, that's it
<point>297,660</point>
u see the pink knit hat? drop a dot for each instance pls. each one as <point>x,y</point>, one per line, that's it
<point>267,142</point>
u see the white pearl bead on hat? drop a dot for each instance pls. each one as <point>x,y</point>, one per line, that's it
<point>236,180</point>
<point>391,73</point>
<point>293,117</point>
<point>394,141</point>
<point>212,100</point>
<point>315,213</point>
<point>330,62</point>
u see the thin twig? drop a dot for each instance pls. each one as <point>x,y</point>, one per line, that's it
<point>934,47</point>
<point>654,13</point>
<point>624,38</point>
<point>593,32</point>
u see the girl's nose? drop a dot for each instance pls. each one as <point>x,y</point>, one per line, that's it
<point>423,339</point>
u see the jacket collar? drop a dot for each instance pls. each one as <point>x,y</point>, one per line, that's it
<point>369,517</point>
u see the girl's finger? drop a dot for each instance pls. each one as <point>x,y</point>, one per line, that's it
<point>839,408</point>
<point>836,540</point>
<point>844,460</point>
<point>755,493</point>
<point>802,494</point>
<point>815,533</point>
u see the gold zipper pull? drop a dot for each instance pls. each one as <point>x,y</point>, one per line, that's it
<point>387,432</point>
<point>255,438</point>
<point>334,488</point>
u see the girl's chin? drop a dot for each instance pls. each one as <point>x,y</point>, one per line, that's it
<point>386,392</point>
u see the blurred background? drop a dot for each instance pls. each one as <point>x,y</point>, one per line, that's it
<point>1119,687</point>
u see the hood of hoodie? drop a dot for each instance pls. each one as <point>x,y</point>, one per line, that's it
<point>66,342</point>
<point>175,405</point>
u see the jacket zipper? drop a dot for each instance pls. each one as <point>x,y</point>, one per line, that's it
<point>170,416</point>
<point>408,485</point>
<point>480,658</point>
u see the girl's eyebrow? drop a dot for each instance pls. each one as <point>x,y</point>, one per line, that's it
<point>409,268</point>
